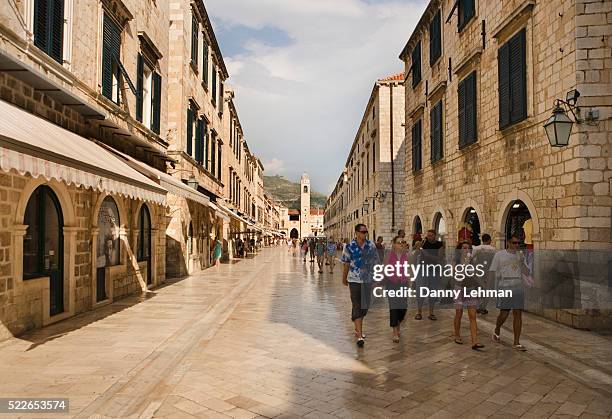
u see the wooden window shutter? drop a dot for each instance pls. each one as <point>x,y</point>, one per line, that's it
<point>213,154</point>
<point>139,86</point>
<point>205,62</point>
<point>435,39</point>
<point>466,12</point>
<point>416,64</point>
<point>206,148</point>
<point>461,111</point>
<point>156,103</point>
<point>189,148</point>
<point>214,85</point>
<point>57,30</point>
<point>470,109</point>
<point>518,82</point>
<point>111,50</point>
<point>194,38</point>
<point>503,68</point>
<point>41,24</point>
<point>436,131</point>
<point>219,162</point>
<point>198,138</point>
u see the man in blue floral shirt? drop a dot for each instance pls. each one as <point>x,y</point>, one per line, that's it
<point>359,258</point>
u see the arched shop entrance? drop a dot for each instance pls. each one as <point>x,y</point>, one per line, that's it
<point>108,244</point>
<point>519,222</point>
<point>294,233</point>
<point>439,225</point>
<point>43,244</point>
<point>417,229</point>
<point>470,227</point>
<point>144,240</point>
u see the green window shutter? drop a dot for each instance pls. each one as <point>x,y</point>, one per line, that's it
<point>416,64</point>
<point>111,49</point>
<point>214,86</point>
<point>41,24</point>
<point>219,162</point>
<point>466,12</point>
<point>57,30</point>
<point>189,138</point>
<point>436,132</point>
<point>416,146</point>
<point>206,148</point>
<point>213,155</point>
<point>156,103</point>
<point>205,63</point>
<point>198,138</point>
<point>470,109</point>
<point>503,70</point>
<point>139,86</point>
<point>194,38</point>
<point>518,77</point>
<point>435,39</point>
<point>461,111</point>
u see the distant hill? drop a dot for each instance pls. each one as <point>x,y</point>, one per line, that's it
<point>288,193</point>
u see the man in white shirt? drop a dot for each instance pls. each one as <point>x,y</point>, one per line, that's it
<point>483,255</point>
<point>509,267</point>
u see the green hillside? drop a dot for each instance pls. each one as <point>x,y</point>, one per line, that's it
<point>288,193</point>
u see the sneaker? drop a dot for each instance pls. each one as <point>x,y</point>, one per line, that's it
<point>360,342</point>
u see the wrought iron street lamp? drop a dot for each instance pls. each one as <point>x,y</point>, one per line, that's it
<point>559,126</point>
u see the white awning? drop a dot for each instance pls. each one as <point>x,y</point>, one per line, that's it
<point>219,211</point>
<point>168,182</point>
<point>31,144</point>
<point>231,213</point>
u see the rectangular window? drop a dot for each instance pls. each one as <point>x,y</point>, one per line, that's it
<point>435,38</point>
<point>467,10</point>
<point>111,49</point>
<point>219,162</point>
<point>206,148</point>
<point>213,142</point>
<point>199,140</point>
<point>436,132</point>
<point>220,97</point>
<point>416,64</point>
<point>204,62</point>
<point>214,86</point>
<point>416,146</point>
<point>49,27</point>
<point>195,29</point>
<point>467,110</point>
<point>189,130</point>
<point>512,73</point>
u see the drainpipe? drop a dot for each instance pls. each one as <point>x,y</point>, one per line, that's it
<point>392,165</point>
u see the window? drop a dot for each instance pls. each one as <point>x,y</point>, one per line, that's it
<point>416,146</point>
<point>214,86</point>
<point>467,110</point>
<point>206,148</point>
<point>49,27</point>
<point>195,29</point>
<point>200,145</point>
<point>374,157</point>
<point>512,73</point>
<point>212,153</point>
<point>143,251</point>
<point>435,39</point>
<point>148,99</point>
<point>205,62</point>
<point>436,132</point>
<point>305,189</point>
<point>219,162</point>
<point>111,49</point>
<point>221,97</point>
<point>416,64</point>
<point>467,10</point>
<point>191,120</point>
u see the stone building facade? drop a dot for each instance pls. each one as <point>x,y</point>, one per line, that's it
<point>371,188</point>
<point>481,80</point>
<point>80,227</point>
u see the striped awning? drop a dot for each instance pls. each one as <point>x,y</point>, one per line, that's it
<point>32,145</point>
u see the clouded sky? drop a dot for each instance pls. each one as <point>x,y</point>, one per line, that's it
<point>303,71</point>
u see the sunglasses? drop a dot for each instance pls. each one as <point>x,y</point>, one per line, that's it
<point>363,232</point>
<point>402,242</point>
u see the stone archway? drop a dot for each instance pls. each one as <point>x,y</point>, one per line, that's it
<point>294,234</point>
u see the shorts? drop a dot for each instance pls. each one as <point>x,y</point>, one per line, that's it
<point>515,302</point>
<point>360,299</point>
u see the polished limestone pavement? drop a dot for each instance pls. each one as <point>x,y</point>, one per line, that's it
<point>271,337</point>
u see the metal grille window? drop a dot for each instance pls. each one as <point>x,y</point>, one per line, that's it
<point>416,146</point>
<point>416,64</point>
<point>435,38</point>
<point>512,73</point>
<point>436,133</point>
<point>49,27</point>
<point>467,110</point>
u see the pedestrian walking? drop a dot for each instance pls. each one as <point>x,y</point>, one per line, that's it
<point>359,258</point>
<point>320,249</point>
<point>311,247</point>
<point>432,254</point>
<point>304,249</point>
<point>380,248</point>
<point>509,267</point>
<point>218,252</point>
<point>397,305</point>
<point>463,256</point>
<point>483,255</point>
<point>332,248</point>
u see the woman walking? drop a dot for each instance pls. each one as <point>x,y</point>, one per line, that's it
<point>218,251</point>
<point>463,257</point>
<point>331,254</point>
<point>397,305</point>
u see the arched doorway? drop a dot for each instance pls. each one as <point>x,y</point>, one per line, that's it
<point>144,239</point>
<point>470,229</point>
<point>108,244</point>
<point>43,244</point>
<point>294,233</point>
<point>417,229</point>
<point>519,222</point>
<point>439,225</point>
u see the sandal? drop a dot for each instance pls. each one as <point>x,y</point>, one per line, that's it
<point>495,338</point>
<point>432,317</point>
<point>458,341</point>
<point>477,346</point>
<point>396,339</point>
<point>519,347</point>
<point>418,317</point>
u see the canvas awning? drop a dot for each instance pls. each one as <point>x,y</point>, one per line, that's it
<point>30,144</point>
<point>219,211</point>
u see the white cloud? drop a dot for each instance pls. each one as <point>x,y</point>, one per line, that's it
<point>274,167</point>
<point>301,103</point>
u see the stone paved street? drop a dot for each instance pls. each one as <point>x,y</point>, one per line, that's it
<point>271,337</point>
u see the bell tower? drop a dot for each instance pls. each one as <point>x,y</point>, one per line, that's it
<point>305,205</point>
